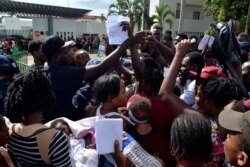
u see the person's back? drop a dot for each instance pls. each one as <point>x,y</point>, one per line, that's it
<point>31,142</point>
<point>26,143</point>
<point>160,114</point>
<point>64,85</point>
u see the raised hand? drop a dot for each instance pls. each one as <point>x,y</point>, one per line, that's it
<point>138,38</point>
<point>182,48</point>
<point>126,27</point>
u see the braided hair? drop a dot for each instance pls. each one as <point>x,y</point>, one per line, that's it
<point>191,137</point>
<point>28,93</point>
<point>220,90</point>
<point>153,77</point>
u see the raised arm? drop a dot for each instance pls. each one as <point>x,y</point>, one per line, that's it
<point>123,70</point>
<point>166,52</point>
<point>173,102</point>
<point>136,63</point>
<point>95,71</point>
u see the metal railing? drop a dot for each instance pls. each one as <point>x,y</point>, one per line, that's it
<point>21,59</point>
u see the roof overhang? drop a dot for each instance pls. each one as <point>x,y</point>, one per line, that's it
<point>30,10</point>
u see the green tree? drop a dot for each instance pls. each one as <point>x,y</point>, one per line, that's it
<point>131,8</point>
<point>222,10</point>
<point>161,16</point>
<point>247,27</point>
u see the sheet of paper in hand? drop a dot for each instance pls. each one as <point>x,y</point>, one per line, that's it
<point>115,33</point>
<point>107,131</point>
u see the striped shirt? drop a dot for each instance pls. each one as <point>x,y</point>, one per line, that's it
<point>26,151</point>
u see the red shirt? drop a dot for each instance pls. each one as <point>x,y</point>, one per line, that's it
<point>162,119</point>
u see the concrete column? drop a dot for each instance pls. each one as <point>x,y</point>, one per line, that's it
<point>182,11</point>
<point>50,26</point>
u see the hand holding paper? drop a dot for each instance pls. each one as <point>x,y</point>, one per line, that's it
<point>117,33</point>
<point>107,131</point>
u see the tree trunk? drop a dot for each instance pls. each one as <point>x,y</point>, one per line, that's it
<point>247,28</point>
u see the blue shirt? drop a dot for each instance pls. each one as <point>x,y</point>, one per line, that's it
<point>65,81</point>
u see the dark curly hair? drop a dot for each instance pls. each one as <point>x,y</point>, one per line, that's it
<point>28,93</point>
<point>106,87</point>
<point>191,137</point>
<point>54,123</point>
<point>153,77</point>
<point>220,90</point>
<point>141,108</point>
<point>34,46</point>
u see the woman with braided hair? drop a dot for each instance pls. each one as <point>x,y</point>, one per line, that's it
<point>31,142</point>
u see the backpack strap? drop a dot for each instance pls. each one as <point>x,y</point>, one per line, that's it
<point>44,137</point>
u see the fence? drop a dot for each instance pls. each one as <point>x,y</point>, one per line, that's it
<point>21,59</point>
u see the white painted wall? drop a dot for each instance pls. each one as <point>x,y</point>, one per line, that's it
<point>25,23</point>
<point>90,28</point>
<point>66,27</point>
<point>11,23</point>
<point>40,24</point>
<point>62,27</point>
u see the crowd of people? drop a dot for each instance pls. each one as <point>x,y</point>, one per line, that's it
<point>180,104</point>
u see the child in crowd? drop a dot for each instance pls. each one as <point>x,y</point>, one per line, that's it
<point>109,92</point>
<point>81,58</point>
<point>80,155</point>
<point>237,144</point>
<point>144,132</point>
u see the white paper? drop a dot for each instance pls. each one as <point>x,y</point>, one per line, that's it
<point>107,131</point>
<point>206,40</point>
<point>114,30</point>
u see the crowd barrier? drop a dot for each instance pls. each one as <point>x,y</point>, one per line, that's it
<point>21,59</point>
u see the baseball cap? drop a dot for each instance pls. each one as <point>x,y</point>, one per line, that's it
<point>8,65</point>
<point>53,44</point>
<point>211,71</point>
<point>72,43</point>
<point>234,120</point>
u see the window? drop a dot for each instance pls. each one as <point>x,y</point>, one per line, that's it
<point>196,15</point>
<point>177,14</point>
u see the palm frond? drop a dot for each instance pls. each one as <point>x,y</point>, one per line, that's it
<point>170,22</point>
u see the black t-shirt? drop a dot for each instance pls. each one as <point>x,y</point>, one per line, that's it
<point>65,81</point>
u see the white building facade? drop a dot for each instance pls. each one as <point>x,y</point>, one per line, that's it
<point>67,28</point>
<point>194,21</point>
<point>15,26</point>
<point>37,28</point>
